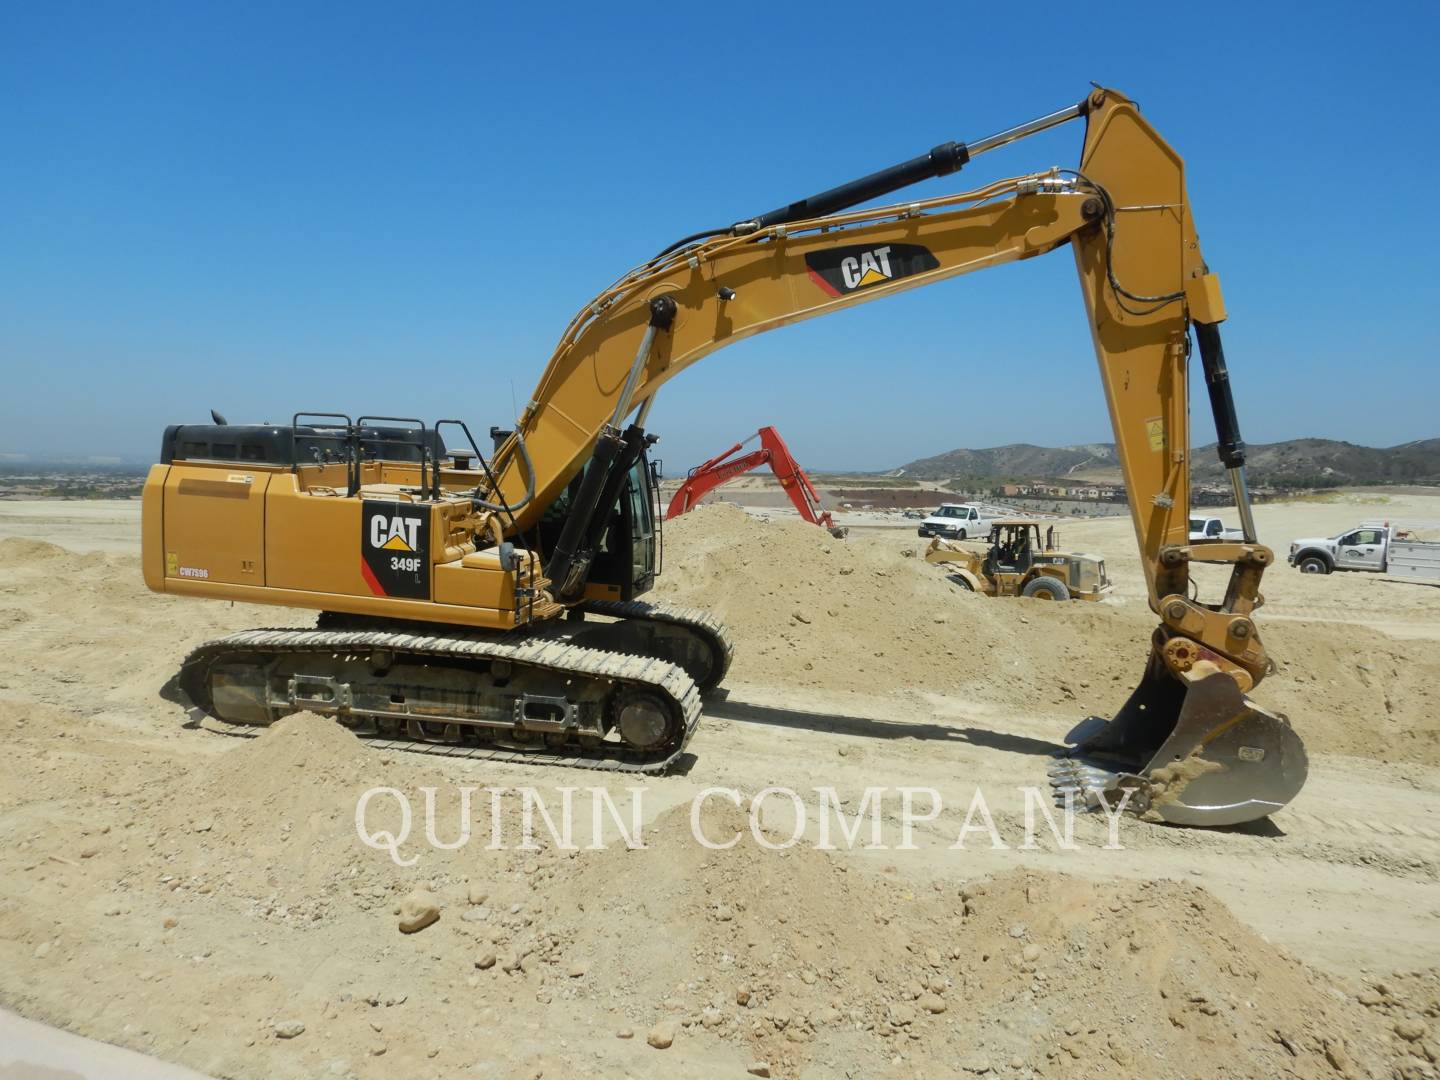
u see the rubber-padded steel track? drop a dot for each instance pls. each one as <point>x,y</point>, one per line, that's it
<point>697,620</point>
<point>667,680</point>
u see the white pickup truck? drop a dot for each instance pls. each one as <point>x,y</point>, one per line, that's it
<point>1374,546</point>
<point>957,521</point>
<point>1203,528</point>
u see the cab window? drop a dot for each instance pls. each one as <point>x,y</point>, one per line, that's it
<point>1364,536</point>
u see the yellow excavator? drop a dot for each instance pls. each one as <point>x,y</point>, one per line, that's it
<point>488,606</point>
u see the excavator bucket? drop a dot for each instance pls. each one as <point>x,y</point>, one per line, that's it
<point>1190,751</point>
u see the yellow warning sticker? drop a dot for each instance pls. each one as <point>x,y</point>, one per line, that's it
<point>1155,432</point>
<point>172,563</point>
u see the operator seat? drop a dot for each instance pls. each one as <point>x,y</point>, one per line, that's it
<point>1004,556</point>
<point>1024,554</point>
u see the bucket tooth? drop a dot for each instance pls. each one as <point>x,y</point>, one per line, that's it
<point>1083,783</point>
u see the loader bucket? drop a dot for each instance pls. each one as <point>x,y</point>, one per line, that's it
<point>1192,752</point>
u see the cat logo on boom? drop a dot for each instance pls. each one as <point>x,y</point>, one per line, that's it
<point>844,270</point>
<point>867,268</point>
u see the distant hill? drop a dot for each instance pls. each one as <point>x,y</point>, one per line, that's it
<point>1330,463</point>
<point>1018,461</point>
<point>1296,463</point>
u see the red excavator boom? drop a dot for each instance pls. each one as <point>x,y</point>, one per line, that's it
<point>773,452</point>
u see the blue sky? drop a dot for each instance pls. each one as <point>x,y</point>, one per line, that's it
<point>396,208</point>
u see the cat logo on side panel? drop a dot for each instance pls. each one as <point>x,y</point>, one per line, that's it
<point>395,549</point>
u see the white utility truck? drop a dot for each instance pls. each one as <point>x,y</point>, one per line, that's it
<point>1377,546</point>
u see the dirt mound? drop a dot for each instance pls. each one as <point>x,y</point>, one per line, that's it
<point>285,799</point>
<point>83,631</point>
<point>1353,690</point>
<point>805,962</point>
<point>869,615</point>
<point>18,551</point>
<point>862,615</point>
<point>294,758</point>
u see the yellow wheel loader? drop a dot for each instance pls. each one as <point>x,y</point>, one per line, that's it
<point>488,606</point>
<point>1016,562</point>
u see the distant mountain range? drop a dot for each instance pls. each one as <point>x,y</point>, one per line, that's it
<point>1018,461</point>
<point>1296,463</point>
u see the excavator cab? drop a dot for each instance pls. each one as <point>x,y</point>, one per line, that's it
<point>626,561</point>
<point>627,545</point>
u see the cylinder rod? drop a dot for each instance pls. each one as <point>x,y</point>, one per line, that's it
<point>628,390</point>
<point>1058,117</point>
<point>1242,502</point>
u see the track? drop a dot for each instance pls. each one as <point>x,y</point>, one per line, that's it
<point>666,685</point>
<point>695,621</point>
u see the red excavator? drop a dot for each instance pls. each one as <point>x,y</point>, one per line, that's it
<point>705,478</point>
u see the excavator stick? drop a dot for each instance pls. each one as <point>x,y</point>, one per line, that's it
<point>1186,748</point>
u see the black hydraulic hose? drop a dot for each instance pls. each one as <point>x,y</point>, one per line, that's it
<point>510,508</point>
<point>701,235</point>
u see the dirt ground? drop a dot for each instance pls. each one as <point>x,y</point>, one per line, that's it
<point>200,893</point>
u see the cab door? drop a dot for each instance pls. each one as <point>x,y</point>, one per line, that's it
<point>1363,549</point>
<point>640,493</point>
